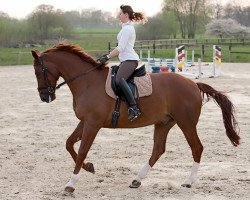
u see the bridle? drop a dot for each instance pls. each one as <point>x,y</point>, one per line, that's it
<point>45,72</point>
<point>51,89</point>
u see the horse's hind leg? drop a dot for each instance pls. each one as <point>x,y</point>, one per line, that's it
<point>160,137</point>
<point>197,148</point>
<point>73,138</point>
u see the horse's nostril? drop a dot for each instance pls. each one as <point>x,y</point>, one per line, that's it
<point>43,99</point>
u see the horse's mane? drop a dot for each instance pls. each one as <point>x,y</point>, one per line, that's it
<point>75,49</point>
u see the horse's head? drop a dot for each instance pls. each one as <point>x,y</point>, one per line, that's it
<point>46,75</point>
<point>53,62</point>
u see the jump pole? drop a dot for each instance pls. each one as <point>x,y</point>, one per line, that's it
<point>193,56</point>
<point>199,66</point>
<point>180,57</point>
<point>216,59</point>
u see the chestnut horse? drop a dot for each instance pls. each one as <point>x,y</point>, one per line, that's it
<point>175,100</point>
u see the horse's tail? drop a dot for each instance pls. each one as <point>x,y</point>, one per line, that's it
<point>227,109</point>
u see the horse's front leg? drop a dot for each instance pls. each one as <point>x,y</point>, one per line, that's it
<point>73,138</point>
<point>89,133</point>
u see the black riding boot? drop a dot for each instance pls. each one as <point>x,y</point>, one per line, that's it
<point>133,111</point>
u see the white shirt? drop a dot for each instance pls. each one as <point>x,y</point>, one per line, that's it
<point>126,40</point>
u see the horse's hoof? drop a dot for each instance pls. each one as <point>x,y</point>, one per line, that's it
<point>68,194</point>
<point>135,184</point>
<point>186,185</point>
<point>69,190</point>
<point>90,167</point>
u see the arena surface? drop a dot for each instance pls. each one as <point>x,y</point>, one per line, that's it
<point>34,163</point>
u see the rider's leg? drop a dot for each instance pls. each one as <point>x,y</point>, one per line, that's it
<point>126,68</point>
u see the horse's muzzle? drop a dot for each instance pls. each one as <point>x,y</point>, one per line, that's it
<point>47,97</point>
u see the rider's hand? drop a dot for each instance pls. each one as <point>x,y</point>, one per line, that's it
<point>104,58</point>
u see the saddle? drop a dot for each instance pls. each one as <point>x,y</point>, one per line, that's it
<point>130,81</point>
<point>139,83</point>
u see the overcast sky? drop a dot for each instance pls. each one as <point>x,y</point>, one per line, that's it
<point>21,8</point>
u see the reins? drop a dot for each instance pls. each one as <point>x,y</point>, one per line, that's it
<point>45,70</point>
<point>82,74</point>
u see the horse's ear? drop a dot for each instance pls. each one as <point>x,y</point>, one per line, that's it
<point>35,54</point>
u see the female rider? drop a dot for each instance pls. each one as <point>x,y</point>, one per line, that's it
<point>127,56</point>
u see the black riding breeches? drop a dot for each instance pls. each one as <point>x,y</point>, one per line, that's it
<point>125,70</point>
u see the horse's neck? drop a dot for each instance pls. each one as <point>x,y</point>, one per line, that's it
<point>70,66</point>
<point>70,70</point>
<point>89,83</point>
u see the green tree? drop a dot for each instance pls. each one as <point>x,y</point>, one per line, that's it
<point>97,19</point>
<point>43,19</point>
<point>154,29</point>
<point>74,18</point>
<point>188,14</point>
<point>171,23</point>
<point>13,31</point>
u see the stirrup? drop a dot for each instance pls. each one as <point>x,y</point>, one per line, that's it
<point>133,113</point>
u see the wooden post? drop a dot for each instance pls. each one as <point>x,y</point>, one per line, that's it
<point>109,46</point>
<point>230,53</point>
<point>140,54</point>
<point>149,59</point>
<point>154,47</point>
<point>202,51</point>
<point>18,58</point>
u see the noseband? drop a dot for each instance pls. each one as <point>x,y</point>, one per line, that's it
<point>51,89</point>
